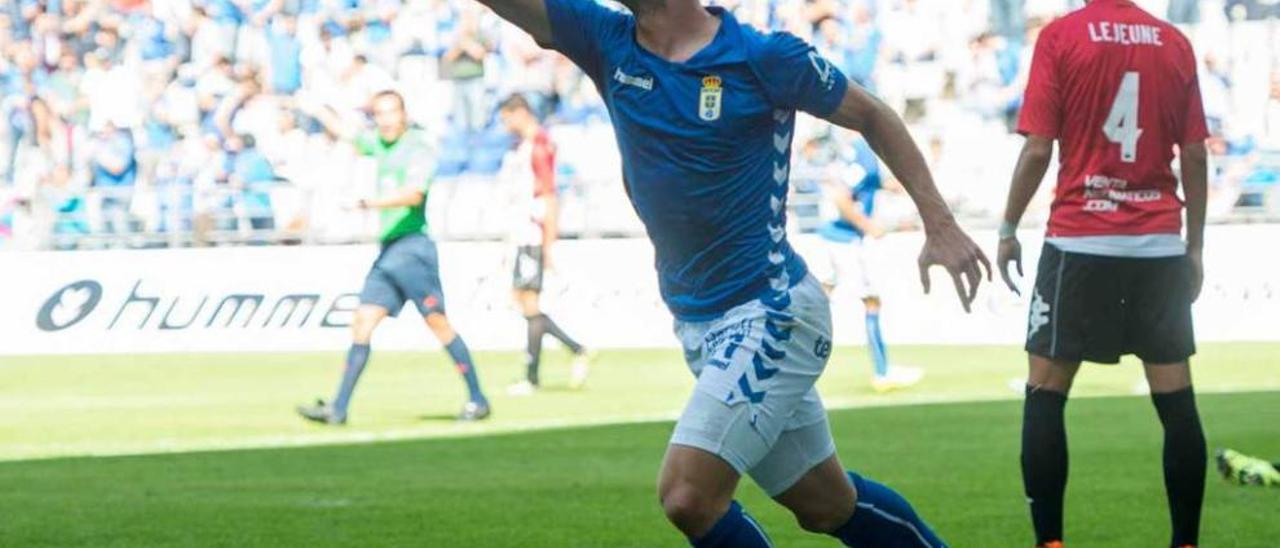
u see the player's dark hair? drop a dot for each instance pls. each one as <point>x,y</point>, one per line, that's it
<point>643,7</point>
<point>515,102</point>
<point>818,24</point>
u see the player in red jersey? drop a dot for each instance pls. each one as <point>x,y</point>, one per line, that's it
<point>531,168</point>
<point>1117,88</point>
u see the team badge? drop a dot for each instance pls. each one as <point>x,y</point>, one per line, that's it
<point>710,98</point>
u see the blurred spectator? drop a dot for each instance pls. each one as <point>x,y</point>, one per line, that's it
<point>286,56</point>
<point>114,170</point>
<point>864,42</point>
<point>1007,18</point>
<point>911,30</point>
<point>1184,12</point>
<point>171,120</point>
<point>252,175</point>
<point>463,65</point>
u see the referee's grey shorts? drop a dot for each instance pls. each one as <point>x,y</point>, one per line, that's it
<point>407,269</point>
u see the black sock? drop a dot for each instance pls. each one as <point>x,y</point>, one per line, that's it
<point>555,331</point>
<point>1044,460</point>
<point>1185,456</point>
<point>533,346</point>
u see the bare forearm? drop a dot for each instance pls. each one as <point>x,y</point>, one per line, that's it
<point>529,15</point>
<point>551,223</point>
<point>1195,187</point>
<point>408,198</point>
<point>889,138</point>
<point>1033,162</point>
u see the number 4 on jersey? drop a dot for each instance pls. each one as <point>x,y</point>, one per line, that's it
<point>1121,126</point>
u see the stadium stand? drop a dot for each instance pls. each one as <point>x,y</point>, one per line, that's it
<point>153,123</point>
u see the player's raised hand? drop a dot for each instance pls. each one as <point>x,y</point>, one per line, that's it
<point>948,246</point>
<point>1010,251</point>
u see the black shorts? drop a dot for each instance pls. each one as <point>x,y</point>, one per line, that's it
<point>1095,308</point>
<point>527,275</point>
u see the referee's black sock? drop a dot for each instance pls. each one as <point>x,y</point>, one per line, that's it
<point>555,331</point>
<point>1185,456</point>
<point>533,346</point>
<point>1044,460</point>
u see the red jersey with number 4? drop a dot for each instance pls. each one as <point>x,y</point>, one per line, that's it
<point>1117,88</point>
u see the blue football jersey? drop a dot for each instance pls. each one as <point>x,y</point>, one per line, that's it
<point>706,147</point>
<point>863,191</point>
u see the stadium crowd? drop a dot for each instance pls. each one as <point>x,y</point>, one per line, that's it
<point>194,122</point>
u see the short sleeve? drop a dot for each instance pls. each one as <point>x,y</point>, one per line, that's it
<point>1042,103</point>
<point>578,27</point>
<point>1194,127</point>
<point>544,167</point>
<point>796,77</point>
<point>422,165</point>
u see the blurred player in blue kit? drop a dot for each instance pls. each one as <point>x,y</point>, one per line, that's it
<point>704,113</point>
<point>847,256</point>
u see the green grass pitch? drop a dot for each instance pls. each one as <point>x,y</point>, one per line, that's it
<point>209,453</point>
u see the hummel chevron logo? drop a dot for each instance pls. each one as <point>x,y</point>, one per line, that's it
<point>781,141</point>
<point>778,301</point>
<point>777,233</point>
<point>780,334</point>
<point>763,372</point>
<point>780,317</point>
<point>752,395</point>
<point>780,172</point>
<point>770,352</point>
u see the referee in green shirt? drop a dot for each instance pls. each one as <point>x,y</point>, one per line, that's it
<point>407,268</point>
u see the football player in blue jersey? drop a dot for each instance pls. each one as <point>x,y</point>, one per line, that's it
<point>847,255</point>
<point>704,111</point>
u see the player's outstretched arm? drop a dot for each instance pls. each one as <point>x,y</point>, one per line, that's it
<point>529,15</point>
<point>945,244</point>
<point>1027,175</point>
<point>406,198</point>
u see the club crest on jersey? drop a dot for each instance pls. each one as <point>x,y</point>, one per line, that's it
<point>710,98</point>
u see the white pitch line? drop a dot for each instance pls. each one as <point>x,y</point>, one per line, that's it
<point>36,451</point>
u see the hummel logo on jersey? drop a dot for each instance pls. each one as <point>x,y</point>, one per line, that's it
<point>824,69</point>
<point>642,82</point>
<point>1039,314</point>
